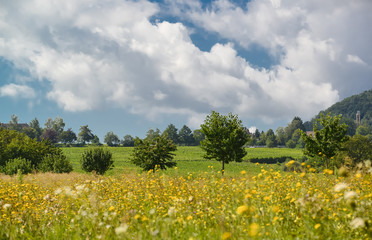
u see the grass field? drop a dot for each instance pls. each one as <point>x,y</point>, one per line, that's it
<point>189,160</point>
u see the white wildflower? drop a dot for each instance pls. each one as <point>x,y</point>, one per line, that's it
<point>6,206</point>
<point>339,187</point>
<point>58,191</point>
<point>350,194</point>
<point>121,229</point>
<point>357,223</point>
<point>172,211</point>
<point>368,163</point>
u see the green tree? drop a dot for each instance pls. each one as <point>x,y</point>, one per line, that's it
<point>16,145</point>
<point>225,138</point>
<point>36,125</point>
<point>293,126</point>
<point>85,134</point>
<point>111,139</point>
<point>50,135</point>
<point>363,130</point>
<point>128,141</point>
<point>67,136</point>
<point>171,132</point>
<point>13,123</point>
<point>358,148</point>
<point>95,141</point>
<point>185,136</point>
<point>151,153</point>
<point>270,139</point>
<point>328,140</point>
<point>152,134</point>
<point>280,136</point>
<point>30,132</point>
<point>198,136</point>
<point>96,159</point>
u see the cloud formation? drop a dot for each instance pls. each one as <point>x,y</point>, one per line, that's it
<point>17,91</point>
<point>98,54</point>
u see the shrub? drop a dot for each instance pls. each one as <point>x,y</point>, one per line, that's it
<point>150,153</point>
<point>97,159</point>
<point>55,163</point>
<point>17,145</point>
<point>13,165</point>
<point>291,144</point>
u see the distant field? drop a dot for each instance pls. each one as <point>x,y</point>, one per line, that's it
<point>189,160</point>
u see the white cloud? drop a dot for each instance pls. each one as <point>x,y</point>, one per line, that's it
<point>17,91</point>
<point>99,54</point>
<point>355,59</point>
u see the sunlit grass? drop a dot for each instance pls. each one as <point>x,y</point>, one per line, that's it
<point>189,159</point>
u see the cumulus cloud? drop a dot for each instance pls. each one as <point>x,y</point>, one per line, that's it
<point>17,91</point>
<point>99,54</point>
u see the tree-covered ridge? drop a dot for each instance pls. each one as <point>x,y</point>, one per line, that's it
<point>349,106</point>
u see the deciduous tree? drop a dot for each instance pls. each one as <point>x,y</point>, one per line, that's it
<point>326,141</point>
<point>85,134</point>
<point>225,138</point>
<point>111,139</point>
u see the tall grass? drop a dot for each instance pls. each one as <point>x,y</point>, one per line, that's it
<point>269,205</point>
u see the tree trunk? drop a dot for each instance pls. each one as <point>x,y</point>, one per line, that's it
<point>223,167</point>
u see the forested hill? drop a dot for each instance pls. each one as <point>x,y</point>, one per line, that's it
<point>349,107</point>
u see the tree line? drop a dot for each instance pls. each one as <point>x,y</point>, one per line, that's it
<point>289,136</point>
<point>54,132</point>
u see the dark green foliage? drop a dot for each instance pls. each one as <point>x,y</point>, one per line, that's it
<point>67,136</point>
<point>225,138</point>
<point>56,164</point>
<point>291,144</point>
<point>198,136</point>
<point>50,135</point>
<point>270,160</point>
<point>111,139</point>
<point>128,141</point>
<point>185,136</point>
<point>171,132</point>
<point>151,153</point>
<point>96,159</point>
<point>95,141</point>
<point>21,164</point>
<point>328,140</point>
<point>17,145</point>
<point>270,139</point>
<point>358,149</point>
<point>152,134</point>
<point>85,134</point>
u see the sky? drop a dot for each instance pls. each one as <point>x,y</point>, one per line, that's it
<point>128,66</point>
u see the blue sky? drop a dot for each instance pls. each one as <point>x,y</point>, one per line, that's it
<point>127,66</point>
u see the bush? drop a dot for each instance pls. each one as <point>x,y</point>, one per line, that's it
<point>152,153</point>
<point>17,145</point>
<point>291,144</point>
<point>97,159</point>
<point>13,165</point>
<point>56,164</point>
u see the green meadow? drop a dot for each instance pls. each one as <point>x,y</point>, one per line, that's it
<point>189,160</point>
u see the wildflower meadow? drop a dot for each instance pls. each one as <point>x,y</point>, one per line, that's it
<point>268,205</point>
